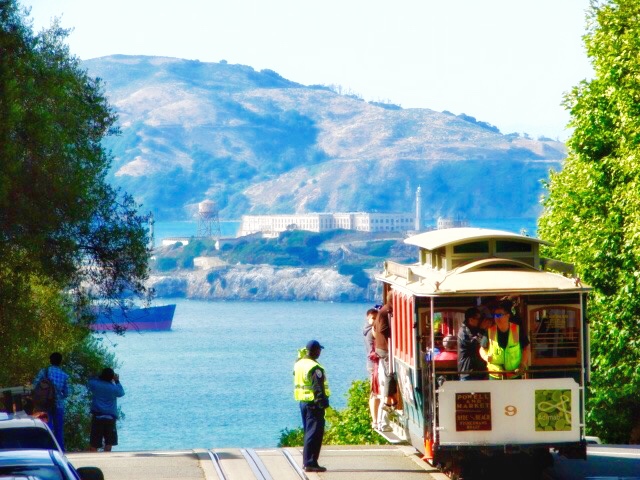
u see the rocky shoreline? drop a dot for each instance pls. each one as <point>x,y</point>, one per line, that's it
<point>261,282</point>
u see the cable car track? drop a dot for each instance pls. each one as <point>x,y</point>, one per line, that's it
<point>294,465</point>
<point>257,466</point>
<point>240,464</point>
<point>217,465</point>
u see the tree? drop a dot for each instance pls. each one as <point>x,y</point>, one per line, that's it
<point>58,216</point>
<point>66,236</point>
<point>592,211</point>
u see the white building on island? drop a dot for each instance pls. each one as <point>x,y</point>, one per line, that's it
<point>273,225</point>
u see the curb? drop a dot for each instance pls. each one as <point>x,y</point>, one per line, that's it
<point>204,461</point>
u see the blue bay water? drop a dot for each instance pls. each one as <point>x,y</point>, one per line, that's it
<point>223,376</point>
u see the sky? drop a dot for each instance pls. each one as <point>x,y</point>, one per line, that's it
<point>505,62</point>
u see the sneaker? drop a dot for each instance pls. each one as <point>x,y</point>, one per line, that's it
<point>386,428</point>
<point>315,468</point>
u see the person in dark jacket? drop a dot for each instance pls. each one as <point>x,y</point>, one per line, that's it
<point>470,337</point>
<point>312,391</point>
<point>105,390</point>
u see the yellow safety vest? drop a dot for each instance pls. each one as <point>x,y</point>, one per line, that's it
<point>302,391</point>
<point>505,359</point>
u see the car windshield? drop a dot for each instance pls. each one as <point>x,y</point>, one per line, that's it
<point>32,438</point>
<point>33,471</point>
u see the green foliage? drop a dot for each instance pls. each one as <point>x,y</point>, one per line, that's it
<point>361,279</point>
<point>347,269</point>
<point>66,236</point>
<point>380,248</point>
<point>184,256</point>
<point>56,210</point>
<point>350,426</point>
<point>166,264</point>
<point>38,325</point>
<point>291,438</point>
<point>592,212</point>
<point>358,276</point>
<point>294,248</point>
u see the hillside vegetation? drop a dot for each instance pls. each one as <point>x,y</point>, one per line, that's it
<point>335,266</point>
<point>255,142</point>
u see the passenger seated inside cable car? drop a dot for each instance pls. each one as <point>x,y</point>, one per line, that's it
<point>551,325</point>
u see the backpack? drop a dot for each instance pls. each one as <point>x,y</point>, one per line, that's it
<point>44,394</point>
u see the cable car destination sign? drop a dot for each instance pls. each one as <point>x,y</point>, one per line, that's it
<point>473,411</point>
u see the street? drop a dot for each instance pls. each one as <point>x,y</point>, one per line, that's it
<point>620,462</point>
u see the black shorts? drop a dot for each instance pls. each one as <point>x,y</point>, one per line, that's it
<point>103,429</point>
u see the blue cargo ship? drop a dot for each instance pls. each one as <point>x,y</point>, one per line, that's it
<point>146,318</point>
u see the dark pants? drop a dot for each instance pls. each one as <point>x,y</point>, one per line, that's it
<point>103,429</point>
<point>56,424</point>
<point>313,425</point>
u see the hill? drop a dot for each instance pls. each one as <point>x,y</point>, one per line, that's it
<point>255,142</point>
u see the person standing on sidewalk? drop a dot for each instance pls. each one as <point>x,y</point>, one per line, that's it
<point>105,390</point>
<point>312,391</point>
<point>60,381</point>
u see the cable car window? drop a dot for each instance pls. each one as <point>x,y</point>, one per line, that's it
<point>509,246</point>
<point>501,266</point>
<point>555,333</point>
<point>447,322</point>
<point>472,247</point>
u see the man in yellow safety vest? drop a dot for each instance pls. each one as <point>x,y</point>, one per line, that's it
<point>506,349</point>
<point>312,391</point>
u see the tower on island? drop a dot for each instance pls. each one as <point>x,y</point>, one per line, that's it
<point>208,220</point>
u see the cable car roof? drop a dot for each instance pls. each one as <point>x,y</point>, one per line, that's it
<point>435,239</point>
<point>490,275</point>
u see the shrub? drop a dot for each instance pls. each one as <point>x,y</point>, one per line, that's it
<point>165,264</point>
<point>350,426</point>
<point>361,279</point>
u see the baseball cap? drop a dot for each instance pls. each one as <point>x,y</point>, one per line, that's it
<point>313,344</point>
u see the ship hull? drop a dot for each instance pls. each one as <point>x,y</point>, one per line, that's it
<point>149,318</point>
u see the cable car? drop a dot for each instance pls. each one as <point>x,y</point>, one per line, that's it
<point>467,427</point>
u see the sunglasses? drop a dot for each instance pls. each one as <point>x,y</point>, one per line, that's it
<point>498,315</point>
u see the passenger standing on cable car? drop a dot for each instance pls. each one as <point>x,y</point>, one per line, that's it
<point>470,337</point>
<point>507,346</point>
<point>312,391</point>
<point>382,328</point>
<point>372,365</point>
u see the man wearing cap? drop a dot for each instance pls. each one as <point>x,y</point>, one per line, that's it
<point>312,391</point>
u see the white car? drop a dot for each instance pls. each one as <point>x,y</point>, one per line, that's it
<point>43,465</point>
<point>24,432</point>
